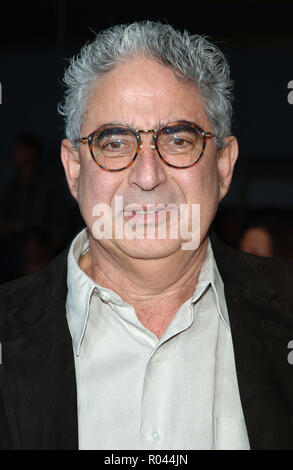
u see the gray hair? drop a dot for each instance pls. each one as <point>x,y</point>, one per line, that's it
<point>198,60</point>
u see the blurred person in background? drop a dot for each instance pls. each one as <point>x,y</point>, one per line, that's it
<point>266,232</point>
<point>22,201</point>
<point>33,201</point>
<point>261,231</point>
<point>258,237</point>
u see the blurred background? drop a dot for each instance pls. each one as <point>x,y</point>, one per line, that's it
<point>38,217</point>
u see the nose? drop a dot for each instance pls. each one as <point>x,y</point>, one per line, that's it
<point>147,172</point>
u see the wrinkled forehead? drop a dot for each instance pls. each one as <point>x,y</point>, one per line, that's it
<point>142,93</point>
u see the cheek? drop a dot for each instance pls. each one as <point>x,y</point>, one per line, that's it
<point>96,186</point>
<point>211,183</point>
<point>202,185</point>
<point>91,189</point>
<point>210,197</point>
<point>203,189</point>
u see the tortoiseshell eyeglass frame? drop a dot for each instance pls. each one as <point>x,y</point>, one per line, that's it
<point>156,132</point>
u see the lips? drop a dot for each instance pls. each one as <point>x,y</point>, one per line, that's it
<point>140,207</point>
<point>146,214</point>
<point>136,209</point>
<point>144,211</point>
<point>149,214</point>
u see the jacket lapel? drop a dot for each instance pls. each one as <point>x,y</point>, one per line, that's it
<point>260,346</point>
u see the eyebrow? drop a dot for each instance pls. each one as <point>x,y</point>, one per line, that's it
<point>161,122</point>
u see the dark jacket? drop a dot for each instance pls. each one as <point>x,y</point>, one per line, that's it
<point>38,405</point>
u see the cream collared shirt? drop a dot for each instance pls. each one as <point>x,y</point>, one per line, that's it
<point>135,391</point>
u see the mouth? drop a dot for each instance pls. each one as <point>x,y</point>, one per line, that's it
<point>149,209</point>
<point>148,215</point>
<point>144,211</point>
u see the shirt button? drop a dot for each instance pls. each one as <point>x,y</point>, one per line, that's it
<point>105,296</point>
<point>156,358</point>
<point>155,434</point>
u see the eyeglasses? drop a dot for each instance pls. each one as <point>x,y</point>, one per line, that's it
<point>114,147</point>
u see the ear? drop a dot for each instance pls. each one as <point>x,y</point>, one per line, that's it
<point>71,163</point>
<point>226,161</point>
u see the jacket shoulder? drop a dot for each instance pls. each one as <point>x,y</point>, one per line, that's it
<point>245,268</point>
<point>24,300</point>
<point>277,272</point>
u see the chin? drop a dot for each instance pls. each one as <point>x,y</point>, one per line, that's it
<point>148,249</point>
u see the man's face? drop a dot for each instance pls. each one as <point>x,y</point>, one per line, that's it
<point>142,94</point>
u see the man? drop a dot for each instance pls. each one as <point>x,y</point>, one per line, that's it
<point>141,336</point>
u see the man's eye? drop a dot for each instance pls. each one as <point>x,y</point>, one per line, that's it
<point>179,142</point>
<point>114,145</point>
<point>117,145</point>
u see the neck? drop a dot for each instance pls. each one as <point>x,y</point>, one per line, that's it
<point>143,277</point>
<point>156,288</point>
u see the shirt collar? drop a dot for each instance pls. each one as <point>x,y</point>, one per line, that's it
<point>209,275</point>
<point>81,287</point>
